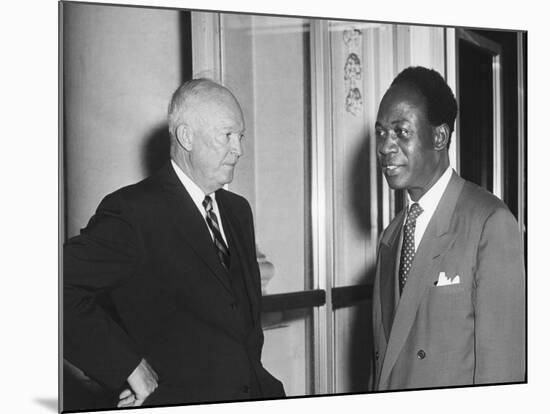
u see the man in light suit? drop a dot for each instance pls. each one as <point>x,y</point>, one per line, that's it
<point>449,292</point>
<point>162,288</point>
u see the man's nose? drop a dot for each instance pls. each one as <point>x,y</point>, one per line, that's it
<point>236,146</point>
<point>387,144</point>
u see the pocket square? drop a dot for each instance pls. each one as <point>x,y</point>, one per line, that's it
<point>444,280</point>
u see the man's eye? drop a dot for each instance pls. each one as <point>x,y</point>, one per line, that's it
<point>230,135</point>
<point>379,133</point>
<point>402,132</point>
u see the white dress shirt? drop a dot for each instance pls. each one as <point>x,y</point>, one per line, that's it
<point>197,195</point>
<point>429,202</point>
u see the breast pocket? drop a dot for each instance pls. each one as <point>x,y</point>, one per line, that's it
<point>448,289</point>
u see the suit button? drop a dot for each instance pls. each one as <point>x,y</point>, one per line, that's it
<point>377,355</point>
<point>246,389</point>
<point>421,354</point>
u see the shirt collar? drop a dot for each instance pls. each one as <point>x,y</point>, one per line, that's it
<point>197,195</point>
<point>430,199</point>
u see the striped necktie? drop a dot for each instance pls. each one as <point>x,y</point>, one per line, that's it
<point>221,248</point>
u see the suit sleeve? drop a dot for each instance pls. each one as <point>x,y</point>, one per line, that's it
<point>499,302</point>
<point>104,255</point>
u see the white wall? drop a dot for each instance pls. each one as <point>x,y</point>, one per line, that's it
<point>121,65</point>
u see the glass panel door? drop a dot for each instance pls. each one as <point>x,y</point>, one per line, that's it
<point>265,62</point>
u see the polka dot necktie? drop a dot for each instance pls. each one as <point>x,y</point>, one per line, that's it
<point>221,248</point>
<point>407,249</point>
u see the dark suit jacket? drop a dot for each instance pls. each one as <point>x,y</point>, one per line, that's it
<point>467,333</point>
<point>142,280</point>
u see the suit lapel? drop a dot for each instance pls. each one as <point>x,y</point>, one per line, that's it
<point>190,224</point>
<point>388,257</point>
<point>436,240</point>
<point>237,235</point>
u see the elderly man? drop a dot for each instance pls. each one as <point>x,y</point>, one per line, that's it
<point>449,291</point>
<point>162,288</point>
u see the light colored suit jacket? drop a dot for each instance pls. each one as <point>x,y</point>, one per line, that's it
<point>472,332</point>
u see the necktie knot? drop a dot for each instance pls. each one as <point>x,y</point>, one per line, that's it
<point>207,203</point>
<point>414,212</point>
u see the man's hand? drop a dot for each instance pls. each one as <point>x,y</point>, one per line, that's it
<point>143,381</point>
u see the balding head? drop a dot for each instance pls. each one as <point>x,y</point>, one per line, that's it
<point>189,99</point>
<point>206,125</point>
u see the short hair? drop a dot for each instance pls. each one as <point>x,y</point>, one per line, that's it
<point>183,99</point>
<point>441,106</point>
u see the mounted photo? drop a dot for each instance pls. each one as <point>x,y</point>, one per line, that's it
<point>261,207</point>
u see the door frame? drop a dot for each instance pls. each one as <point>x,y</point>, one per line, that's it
<point>495,50</point>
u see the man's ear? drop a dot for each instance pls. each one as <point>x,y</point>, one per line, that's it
<point>184,136</point>
<point>442,134</point>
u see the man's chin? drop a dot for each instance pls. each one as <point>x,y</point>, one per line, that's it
<point>227,179</point>
<point>395,183</point>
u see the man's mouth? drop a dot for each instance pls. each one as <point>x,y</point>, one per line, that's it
<point>391,169</point>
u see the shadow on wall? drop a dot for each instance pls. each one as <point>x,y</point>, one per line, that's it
<point>48,403</point>
<point>156,149</point>
<point>361,346</point>
<point>361,189</point>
